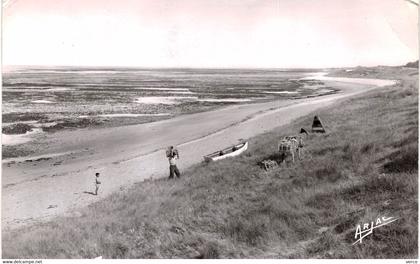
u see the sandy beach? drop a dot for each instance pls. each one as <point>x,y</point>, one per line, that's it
<point>57,181</point>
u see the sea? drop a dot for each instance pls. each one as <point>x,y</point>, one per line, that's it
<point>50,99</point>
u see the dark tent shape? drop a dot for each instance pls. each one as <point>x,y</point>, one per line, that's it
<point>317,126</point>
<point>303,131</point>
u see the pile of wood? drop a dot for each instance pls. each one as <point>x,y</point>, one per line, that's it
<point>269,164</point>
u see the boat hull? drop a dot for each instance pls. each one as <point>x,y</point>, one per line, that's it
<point>215,156</point>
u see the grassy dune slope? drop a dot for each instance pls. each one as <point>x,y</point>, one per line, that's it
<point>363,168</point>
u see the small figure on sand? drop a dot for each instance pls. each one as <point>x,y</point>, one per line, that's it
<point>172,154</point>
<point>97,183</point>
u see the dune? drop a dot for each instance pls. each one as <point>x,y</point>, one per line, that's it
<point>130,154</point>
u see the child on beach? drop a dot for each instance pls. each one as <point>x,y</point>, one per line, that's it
<point>97,183</point>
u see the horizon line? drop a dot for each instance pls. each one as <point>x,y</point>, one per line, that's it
<point>200,67</point>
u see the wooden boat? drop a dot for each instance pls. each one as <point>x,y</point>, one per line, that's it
<point>227,152</point>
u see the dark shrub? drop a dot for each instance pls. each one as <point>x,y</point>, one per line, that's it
<point>328,173</point>
<point>405,160</point>
<point>210,251</point>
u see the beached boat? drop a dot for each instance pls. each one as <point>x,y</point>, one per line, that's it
<point>227,152</point>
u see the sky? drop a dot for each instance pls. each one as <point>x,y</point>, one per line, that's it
<point>210,33</point>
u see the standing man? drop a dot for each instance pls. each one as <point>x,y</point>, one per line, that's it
<point>172,154</point>
<point>300,147</point>
<point>97,183</point>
